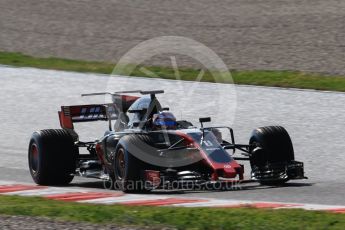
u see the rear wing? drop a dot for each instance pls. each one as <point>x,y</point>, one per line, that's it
<point>101,112</point>
<point>95,112</point>
<point>85,113</point>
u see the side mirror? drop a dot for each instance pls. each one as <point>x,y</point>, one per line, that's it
<point>204,119</point>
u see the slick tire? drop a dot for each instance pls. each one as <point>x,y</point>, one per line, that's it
<point>128,169</point>
<point>270,145</point>
<point>52,157</point>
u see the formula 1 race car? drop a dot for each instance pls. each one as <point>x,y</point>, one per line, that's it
<point>146,148</point>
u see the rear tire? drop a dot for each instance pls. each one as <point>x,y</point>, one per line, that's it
<point>52,157</point>
<point>270,145</point>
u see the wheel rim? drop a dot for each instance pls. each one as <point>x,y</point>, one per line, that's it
<point>34,158</point>
<point>120,164</point>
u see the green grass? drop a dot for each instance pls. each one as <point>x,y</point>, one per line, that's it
<point>289,79</point>
<point>180,218</point>
<point>22,60</point>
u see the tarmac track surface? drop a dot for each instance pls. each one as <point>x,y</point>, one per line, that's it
<point>306,35</point>
<point>30,99</point>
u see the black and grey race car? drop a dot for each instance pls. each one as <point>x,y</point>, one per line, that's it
<point>146,148</point>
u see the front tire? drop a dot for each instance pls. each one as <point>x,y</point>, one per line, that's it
<point>271,150</point>
<point>128,169</point>
<point>52,157</point>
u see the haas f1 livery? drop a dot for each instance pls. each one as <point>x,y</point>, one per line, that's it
<point>146,148</point>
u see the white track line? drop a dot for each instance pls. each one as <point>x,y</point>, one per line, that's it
<point>211,203</point>
<point>318,207</point>
<point>3,182</point>
<point>124,198</point>
<point>41,192</point>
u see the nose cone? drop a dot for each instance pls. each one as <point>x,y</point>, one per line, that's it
<point>232,169</point>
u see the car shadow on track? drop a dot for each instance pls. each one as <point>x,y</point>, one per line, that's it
<point>247,187</point>
<point>237,188</point>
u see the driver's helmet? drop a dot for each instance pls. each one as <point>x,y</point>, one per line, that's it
<point>164,120</point>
